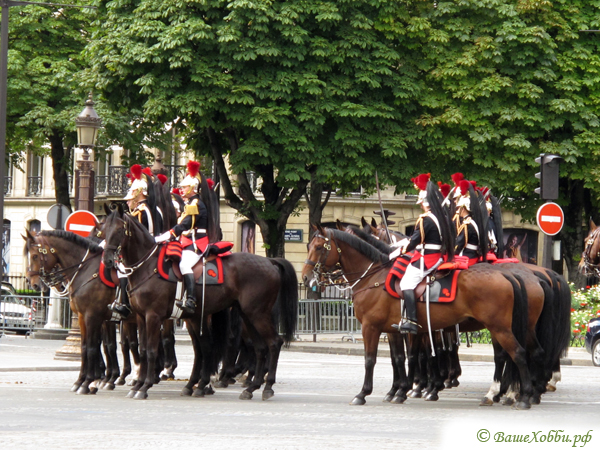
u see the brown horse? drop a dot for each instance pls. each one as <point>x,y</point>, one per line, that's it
<point>252,283</point>
<point>489,296</point>
<point>61,258</point>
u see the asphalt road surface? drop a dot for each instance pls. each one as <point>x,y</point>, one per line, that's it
<point>310,410</point>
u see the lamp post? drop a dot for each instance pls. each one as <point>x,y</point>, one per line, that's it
<point>88,123</point>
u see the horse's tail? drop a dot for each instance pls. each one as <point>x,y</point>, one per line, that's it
<point>520,318</point>
<point>287,300</point>
<point>219,332</point>
<point>563,317</point>
<point>546,328</point>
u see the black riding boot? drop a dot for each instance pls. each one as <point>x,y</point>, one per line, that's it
<point>190,302</point>
<point>123,307</point>
<point>410,303</point>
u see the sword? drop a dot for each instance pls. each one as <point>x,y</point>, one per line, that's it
<point>427,300</point>
<point>383,218</point>
<point>203,290</point>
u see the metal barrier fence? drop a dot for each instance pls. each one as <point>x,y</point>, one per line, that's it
<point>22,314</point>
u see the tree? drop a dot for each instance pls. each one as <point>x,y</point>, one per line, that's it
<point>289,90</point>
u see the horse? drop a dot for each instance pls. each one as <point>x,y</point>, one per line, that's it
<point>491,297</point>
<point>251,283</point>
<point>59,258</point>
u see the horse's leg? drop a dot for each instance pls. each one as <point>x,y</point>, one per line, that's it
<point>108,367</point>
<point>194,332</point>
<point>401,385</point>
<point>518,354</point>
<point>536,367</point>
<point>143,366</point>
<point>134,348</point>
<point>207,365</point>
<point>110,349</point>
<point>413,345</point>
<point>371,336</point>
<point>556,377</point>
<point>168,339</point>
<point>260,350</point>
<point>232,350</point>
<point>455,371</point>
<point>437,371</point>
<point>496,391</point>
<point>125,353</point>
<point>152,343</point>
<point>84,362</point>
<point>93,339</point>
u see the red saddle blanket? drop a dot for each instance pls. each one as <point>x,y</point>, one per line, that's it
<point>506,260</point>
<point>169,270</point>
<point>107,276</point>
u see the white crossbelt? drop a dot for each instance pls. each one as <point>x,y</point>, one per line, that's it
<point>429,247</point>
<point>472,246</point>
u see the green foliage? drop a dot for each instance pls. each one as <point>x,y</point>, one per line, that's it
<point>585,306</point>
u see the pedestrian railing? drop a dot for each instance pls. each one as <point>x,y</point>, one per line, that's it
<point>17,313</point>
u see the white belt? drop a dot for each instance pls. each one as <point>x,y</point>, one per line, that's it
<point>472,247</point>
<point>197,230</point>
<point>429,247</point>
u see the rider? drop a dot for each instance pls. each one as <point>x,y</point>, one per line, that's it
<point>191,229</point>
<point>467,240</point>
<point>142,205</point>
<point>428,239</point>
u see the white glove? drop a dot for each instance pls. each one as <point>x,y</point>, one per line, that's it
<point>102,244</point>
<point>401,243</point>
<point>163,237</point>
<point>395,253</point>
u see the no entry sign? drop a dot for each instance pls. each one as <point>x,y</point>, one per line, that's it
<point>550,218</point>
<point>81,223</point>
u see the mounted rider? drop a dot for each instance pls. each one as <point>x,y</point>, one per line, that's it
<point>141,200</point>
<point>471,232</point>
<point>191,230</point>
<point>432,238</point>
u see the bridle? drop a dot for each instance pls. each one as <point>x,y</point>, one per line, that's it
<point>116,249</point>
<point>588,267</point>
<point>56,275</point>
<point>332,276</point>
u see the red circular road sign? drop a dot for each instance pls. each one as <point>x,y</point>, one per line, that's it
<point>81,223</point>
<point>550,218</point>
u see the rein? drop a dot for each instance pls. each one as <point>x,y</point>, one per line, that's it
<point>318,273</point>
<point>118,249</point>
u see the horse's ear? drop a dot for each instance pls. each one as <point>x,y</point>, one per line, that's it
<point>321,229</point>
<point>107,209</point>
<point>592,224</point>
<point>339,225</point>
<point>120,209</point>
<point>363,222</point>
<point>313,227</point>
<point>373,222</point>
<point>29,236</point>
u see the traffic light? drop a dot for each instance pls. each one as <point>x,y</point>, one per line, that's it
<point>548,176</point>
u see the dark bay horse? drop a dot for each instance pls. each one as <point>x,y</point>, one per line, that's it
<point>62,258</point>
<point>252,283</point>
<point>489,296</point>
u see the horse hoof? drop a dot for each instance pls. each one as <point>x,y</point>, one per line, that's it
<point>536,400</point>
<point>131,394</point>
<point>208,390</point>
<point>508,401</point>
<point>163,377</point>
<point>432,397</point>
<point>496,398</point>
<point>388,398</point>
<point>131,382</point>
<point>220,384</point>
<point>109,387</point>
<point>140,395</point>
<point>357,401</point>
<point>447,384</point>
<point>550,388</point>
<point>415,394</point>
<point>198,393</point>
<point>398,399</point>
<point>75,387</point>
<point>231,381</point>
<point>486,402</point>
<point>246,395</point>
<point>93,391</point>
<point>120,382</point>
<point>455,383</point>
<point>101,385</point>
<point>186,392</point>
<point>246,383</point>
<point>83,390</point>
<point>522,405</point>
<point>267,394</point>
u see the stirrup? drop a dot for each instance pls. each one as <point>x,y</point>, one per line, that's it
<point>408,326</point>
<point>123,310</point>
<point>189,306</point>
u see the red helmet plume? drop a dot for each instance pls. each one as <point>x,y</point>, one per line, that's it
<point>162,178</point>
<point>193,168</point>
<point>457,178</point>
<point>136,171</point>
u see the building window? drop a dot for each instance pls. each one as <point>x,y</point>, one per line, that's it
<point>5,249</point>
<point>248,236</point>
<point>35,173</point>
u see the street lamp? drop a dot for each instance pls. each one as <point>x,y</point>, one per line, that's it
<point>88,123</point>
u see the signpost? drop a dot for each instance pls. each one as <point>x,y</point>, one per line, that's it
<point>81,222</point>
<point>293,235</point>
<point>57,216</point>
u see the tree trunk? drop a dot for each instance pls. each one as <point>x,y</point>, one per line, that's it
<point>60,161</point>
<point>313,197</point>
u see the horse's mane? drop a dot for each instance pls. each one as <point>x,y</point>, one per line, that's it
<point>361,246</point>
<point>73,238</point>
<point>369,238</point>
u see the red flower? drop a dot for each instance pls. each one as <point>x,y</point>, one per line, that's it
<point>573,310</point>
<point>587,287</point>
<point>576,331</point>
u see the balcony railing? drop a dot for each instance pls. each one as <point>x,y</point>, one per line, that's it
<point>34,186</point>
<point>7,186</point>
<point>101,187</point>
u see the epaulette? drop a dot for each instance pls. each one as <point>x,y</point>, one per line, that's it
<point>191,209</point>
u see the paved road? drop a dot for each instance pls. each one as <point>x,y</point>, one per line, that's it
<point>310,410</point>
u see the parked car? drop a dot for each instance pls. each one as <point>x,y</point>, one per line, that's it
<point>15,312</point>
<point>592,340</point>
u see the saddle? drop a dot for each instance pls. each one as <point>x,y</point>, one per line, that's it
<point>168,267</point>
<point>108,276</point>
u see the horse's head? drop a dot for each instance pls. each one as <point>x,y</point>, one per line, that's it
<point>115,232</point>
<point>320,257</point>
<point>41,259</point>
<point>590,258</point>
